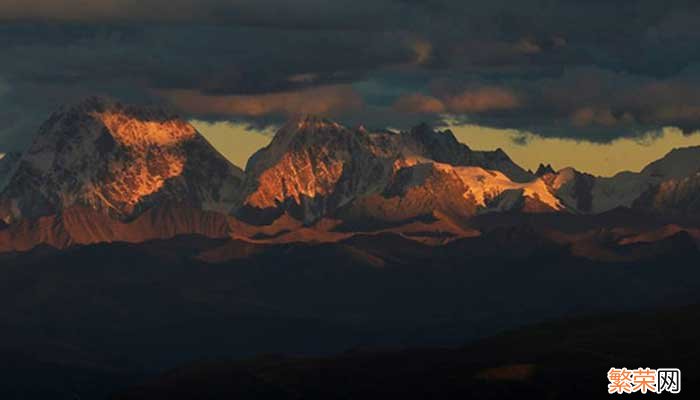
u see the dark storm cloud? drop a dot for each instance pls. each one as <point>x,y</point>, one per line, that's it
<point>297,14</point>
<point>591,70</point>
<point>586,103</point>
<point>47,65</point>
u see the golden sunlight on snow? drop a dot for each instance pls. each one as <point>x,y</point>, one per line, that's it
<point>486,184</point>
<point>132,131</point>
<point>285,180</point>
<point>133,181</point>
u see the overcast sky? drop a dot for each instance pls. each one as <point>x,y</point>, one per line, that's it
<point>525,72</point>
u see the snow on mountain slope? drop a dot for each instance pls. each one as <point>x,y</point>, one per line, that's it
<point>675,188</point>
<point>486,185</point>
<point>422,189</point>
<point>415,192</point>
<point>314,166</point>
<point>620,190</point>
<point>663,186</point>
<point>443,147</point>
<point>586,193</point>
<point>119,160</point>
<point>100,171</point>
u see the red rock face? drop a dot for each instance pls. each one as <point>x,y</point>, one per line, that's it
<point>82,226</point>
<point>27,234</point>
<point>297,176</point>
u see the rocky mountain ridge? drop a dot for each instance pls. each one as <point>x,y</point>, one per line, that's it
<point>130,167</point>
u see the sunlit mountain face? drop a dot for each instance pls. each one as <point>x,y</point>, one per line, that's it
<point>116,160</point>
<point>317,180</point>
<point>311,199</point>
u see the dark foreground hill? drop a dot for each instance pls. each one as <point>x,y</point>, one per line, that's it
<point>93,320</point>
<point>567,359</point>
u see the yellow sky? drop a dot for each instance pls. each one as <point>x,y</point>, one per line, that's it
<point>237,143</point>
<point>232,140</point>
<point>597,159</point>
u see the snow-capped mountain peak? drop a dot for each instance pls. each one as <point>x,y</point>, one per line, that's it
<point>117,159</point>
<point>314,166</point>
<point>122,160</point>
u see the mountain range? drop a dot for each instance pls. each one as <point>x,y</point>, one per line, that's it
<point>129,246</point>
<point>100,171</point>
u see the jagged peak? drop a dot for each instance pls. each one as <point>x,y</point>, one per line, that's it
<point>424,133</point>
<point>424,128</point>
<point>314,124</point>
<point>544,170</point>
<point>501,152</point>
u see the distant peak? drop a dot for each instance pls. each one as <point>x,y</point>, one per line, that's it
<point>426,130</point>
<point>544,170</point>
<point>423,128</point>
<point>426,133</point>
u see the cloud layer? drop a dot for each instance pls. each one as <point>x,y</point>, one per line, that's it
<point>324,100</point>
<point>586,70</point>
